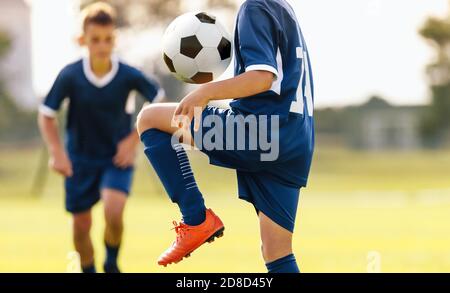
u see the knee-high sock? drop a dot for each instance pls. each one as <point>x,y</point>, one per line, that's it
<point>286,264</point>
<point>171,163</point>
<point>89,269</point>
<point>112,253</point>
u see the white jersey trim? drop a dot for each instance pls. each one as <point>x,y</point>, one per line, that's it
<point>105,80</point>
<point>47,111</point>
<point>276,85</point>
<point>263,67</point>
<point>159,96</point>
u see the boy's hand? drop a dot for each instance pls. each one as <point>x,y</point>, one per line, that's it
<point>190,107</point>
<point>126,152</point>
<point>60,163</point>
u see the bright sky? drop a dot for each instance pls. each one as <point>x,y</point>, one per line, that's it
<point>358,47</point>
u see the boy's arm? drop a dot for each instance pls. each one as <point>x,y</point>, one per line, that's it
<point>48,125</point>
<point>148,88</point>
<point>126,150</point>
<point>245,85</point>
<point>59,160</point>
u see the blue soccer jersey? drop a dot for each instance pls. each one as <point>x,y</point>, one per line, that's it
<point>268,37</point>
<point>100,109</point>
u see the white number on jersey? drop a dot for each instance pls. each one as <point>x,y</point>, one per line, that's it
<point>298,106</point>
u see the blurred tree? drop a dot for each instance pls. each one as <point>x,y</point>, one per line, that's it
<point>4,46</point>
<point>436,121</point>
<point>150,12</point>
<point>15,124</point>
<point>4,43</point>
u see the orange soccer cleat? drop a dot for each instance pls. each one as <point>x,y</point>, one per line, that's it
<point>189,238</point>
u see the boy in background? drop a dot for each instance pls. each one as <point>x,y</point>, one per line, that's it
<point>98,157</point>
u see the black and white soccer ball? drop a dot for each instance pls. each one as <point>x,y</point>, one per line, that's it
<point>197,48</point>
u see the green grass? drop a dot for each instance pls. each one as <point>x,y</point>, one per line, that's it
<point>396,204</point>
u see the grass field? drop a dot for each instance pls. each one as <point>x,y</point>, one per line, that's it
<point>362,212</point>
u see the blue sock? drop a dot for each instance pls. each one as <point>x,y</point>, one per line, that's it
<point>286,264</point>
<point>112,252</point>
<point>171,163</point>
<point>89,269</point>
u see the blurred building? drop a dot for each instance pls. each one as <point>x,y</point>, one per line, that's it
<point>376,125</point>
<point>16,66</point>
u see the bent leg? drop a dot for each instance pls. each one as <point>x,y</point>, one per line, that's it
<point>114,205</point>
<point>159,116</point>
<point>82,223</point>
<point>170,161</point>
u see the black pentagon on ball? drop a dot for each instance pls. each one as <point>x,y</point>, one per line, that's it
<point>190,46</point>
<point>205,18</point>
<point>169,63</point>
<point>202,77</point>
<point>224,49</point>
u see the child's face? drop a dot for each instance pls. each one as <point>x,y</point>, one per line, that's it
<point>99,39</point>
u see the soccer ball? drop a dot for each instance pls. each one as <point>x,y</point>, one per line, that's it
<point>197,48</point>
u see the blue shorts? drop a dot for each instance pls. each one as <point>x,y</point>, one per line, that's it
<point>84,187</point>
<point>273,187</point>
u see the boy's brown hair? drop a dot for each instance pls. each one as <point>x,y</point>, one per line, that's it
<point>99,13</point>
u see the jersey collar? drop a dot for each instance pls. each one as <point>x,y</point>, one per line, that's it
<point>105,80</point>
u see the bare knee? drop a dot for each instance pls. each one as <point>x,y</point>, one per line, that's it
<point>276,240</point>
<point>114,222</point>
<point>274,250</point>
<point>146,119</point>
<point>114,205</point>
<point>82,226</point>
